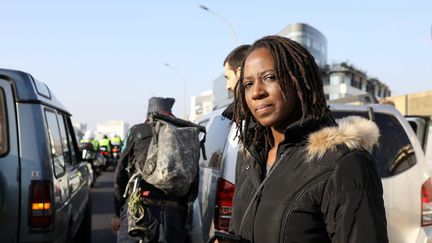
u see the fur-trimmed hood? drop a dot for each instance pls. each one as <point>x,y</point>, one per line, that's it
<point>353,131</point>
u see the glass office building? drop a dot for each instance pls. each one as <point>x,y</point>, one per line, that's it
<point>310,38</point>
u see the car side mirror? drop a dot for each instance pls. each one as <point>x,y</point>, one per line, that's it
<point>88,155</point>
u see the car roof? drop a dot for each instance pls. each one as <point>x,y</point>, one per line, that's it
<point>365,107</point>
<point>30,90</point>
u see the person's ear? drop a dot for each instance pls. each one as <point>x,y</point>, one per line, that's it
<point>238,70</point>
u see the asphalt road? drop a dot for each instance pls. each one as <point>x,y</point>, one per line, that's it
<point>102,195</point>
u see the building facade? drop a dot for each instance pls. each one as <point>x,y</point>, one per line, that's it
<point>221,94</point>
<point>79,129</point>
<point>111,128</point>
<point>201,104</point>
<point>343,80</point>
<point>310,38</point>
<point>418,104</point>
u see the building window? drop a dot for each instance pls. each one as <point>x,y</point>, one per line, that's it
<point>355,83</point>
<point>326,80</point>
<point>308,42</point>
<point>316,45</point>
<point>370,88</point>
<point>347,80</point>
<point>335,79</point>
<point>297,39</point>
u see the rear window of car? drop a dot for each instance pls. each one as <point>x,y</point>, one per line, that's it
<point>394,153</point>
<point>3,125</point>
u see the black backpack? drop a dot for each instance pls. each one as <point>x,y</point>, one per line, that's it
<point>171,163</point>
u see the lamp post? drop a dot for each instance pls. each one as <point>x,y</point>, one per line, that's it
<point>224,20</point>
<point>184,87</point>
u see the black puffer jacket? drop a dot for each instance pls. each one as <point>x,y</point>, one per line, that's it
<point>323,187</point>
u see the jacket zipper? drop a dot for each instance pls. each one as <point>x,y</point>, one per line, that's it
<point>306,188</point>
<point>258,160</point>
<point>257,193</point>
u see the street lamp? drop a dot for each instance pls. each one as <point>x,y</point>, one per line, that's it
<point>184,87</point>
<point>224,20</point>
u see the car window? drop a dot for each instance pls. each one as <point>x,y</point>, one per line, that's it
<point>217,134</point>
<point>342,114</point>
<point>398,155</point>
<point>3,125</point>
<point>55,143</point>
<point>69,157</point>
<point>73,146</point>
<point>392,157</point>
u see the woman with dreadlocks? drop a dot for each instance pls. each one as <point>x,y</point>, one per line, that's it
<point>302,177</point>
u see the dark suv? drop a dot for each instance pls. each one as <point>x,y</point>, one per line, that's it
<point>44,185</point>
<point>404,170</point>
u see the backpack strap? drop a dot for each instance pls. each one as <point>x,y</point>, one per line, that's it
<point>134,145</point>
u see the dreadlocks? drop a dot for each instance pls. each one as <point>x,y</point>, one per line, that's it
<point>294,66</point>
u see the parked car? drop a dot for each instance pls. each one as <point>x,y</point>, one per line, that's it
<point>44,185</point>
<point>404,170</point>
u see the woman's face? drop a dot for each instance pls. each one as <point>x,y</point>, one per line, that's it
<point>263,93</point>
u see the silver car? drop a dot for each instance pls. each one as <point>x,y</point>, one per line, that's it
<point>404,170</point>
<point>44,185</point>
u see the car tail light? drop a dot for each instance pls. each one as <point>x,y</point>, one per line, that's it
<point>40,205</point>
<point>426,203</point>
<point>223,207</point>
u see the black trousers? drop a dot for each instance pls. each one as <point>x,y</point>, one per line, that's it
<point>167,224</point>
